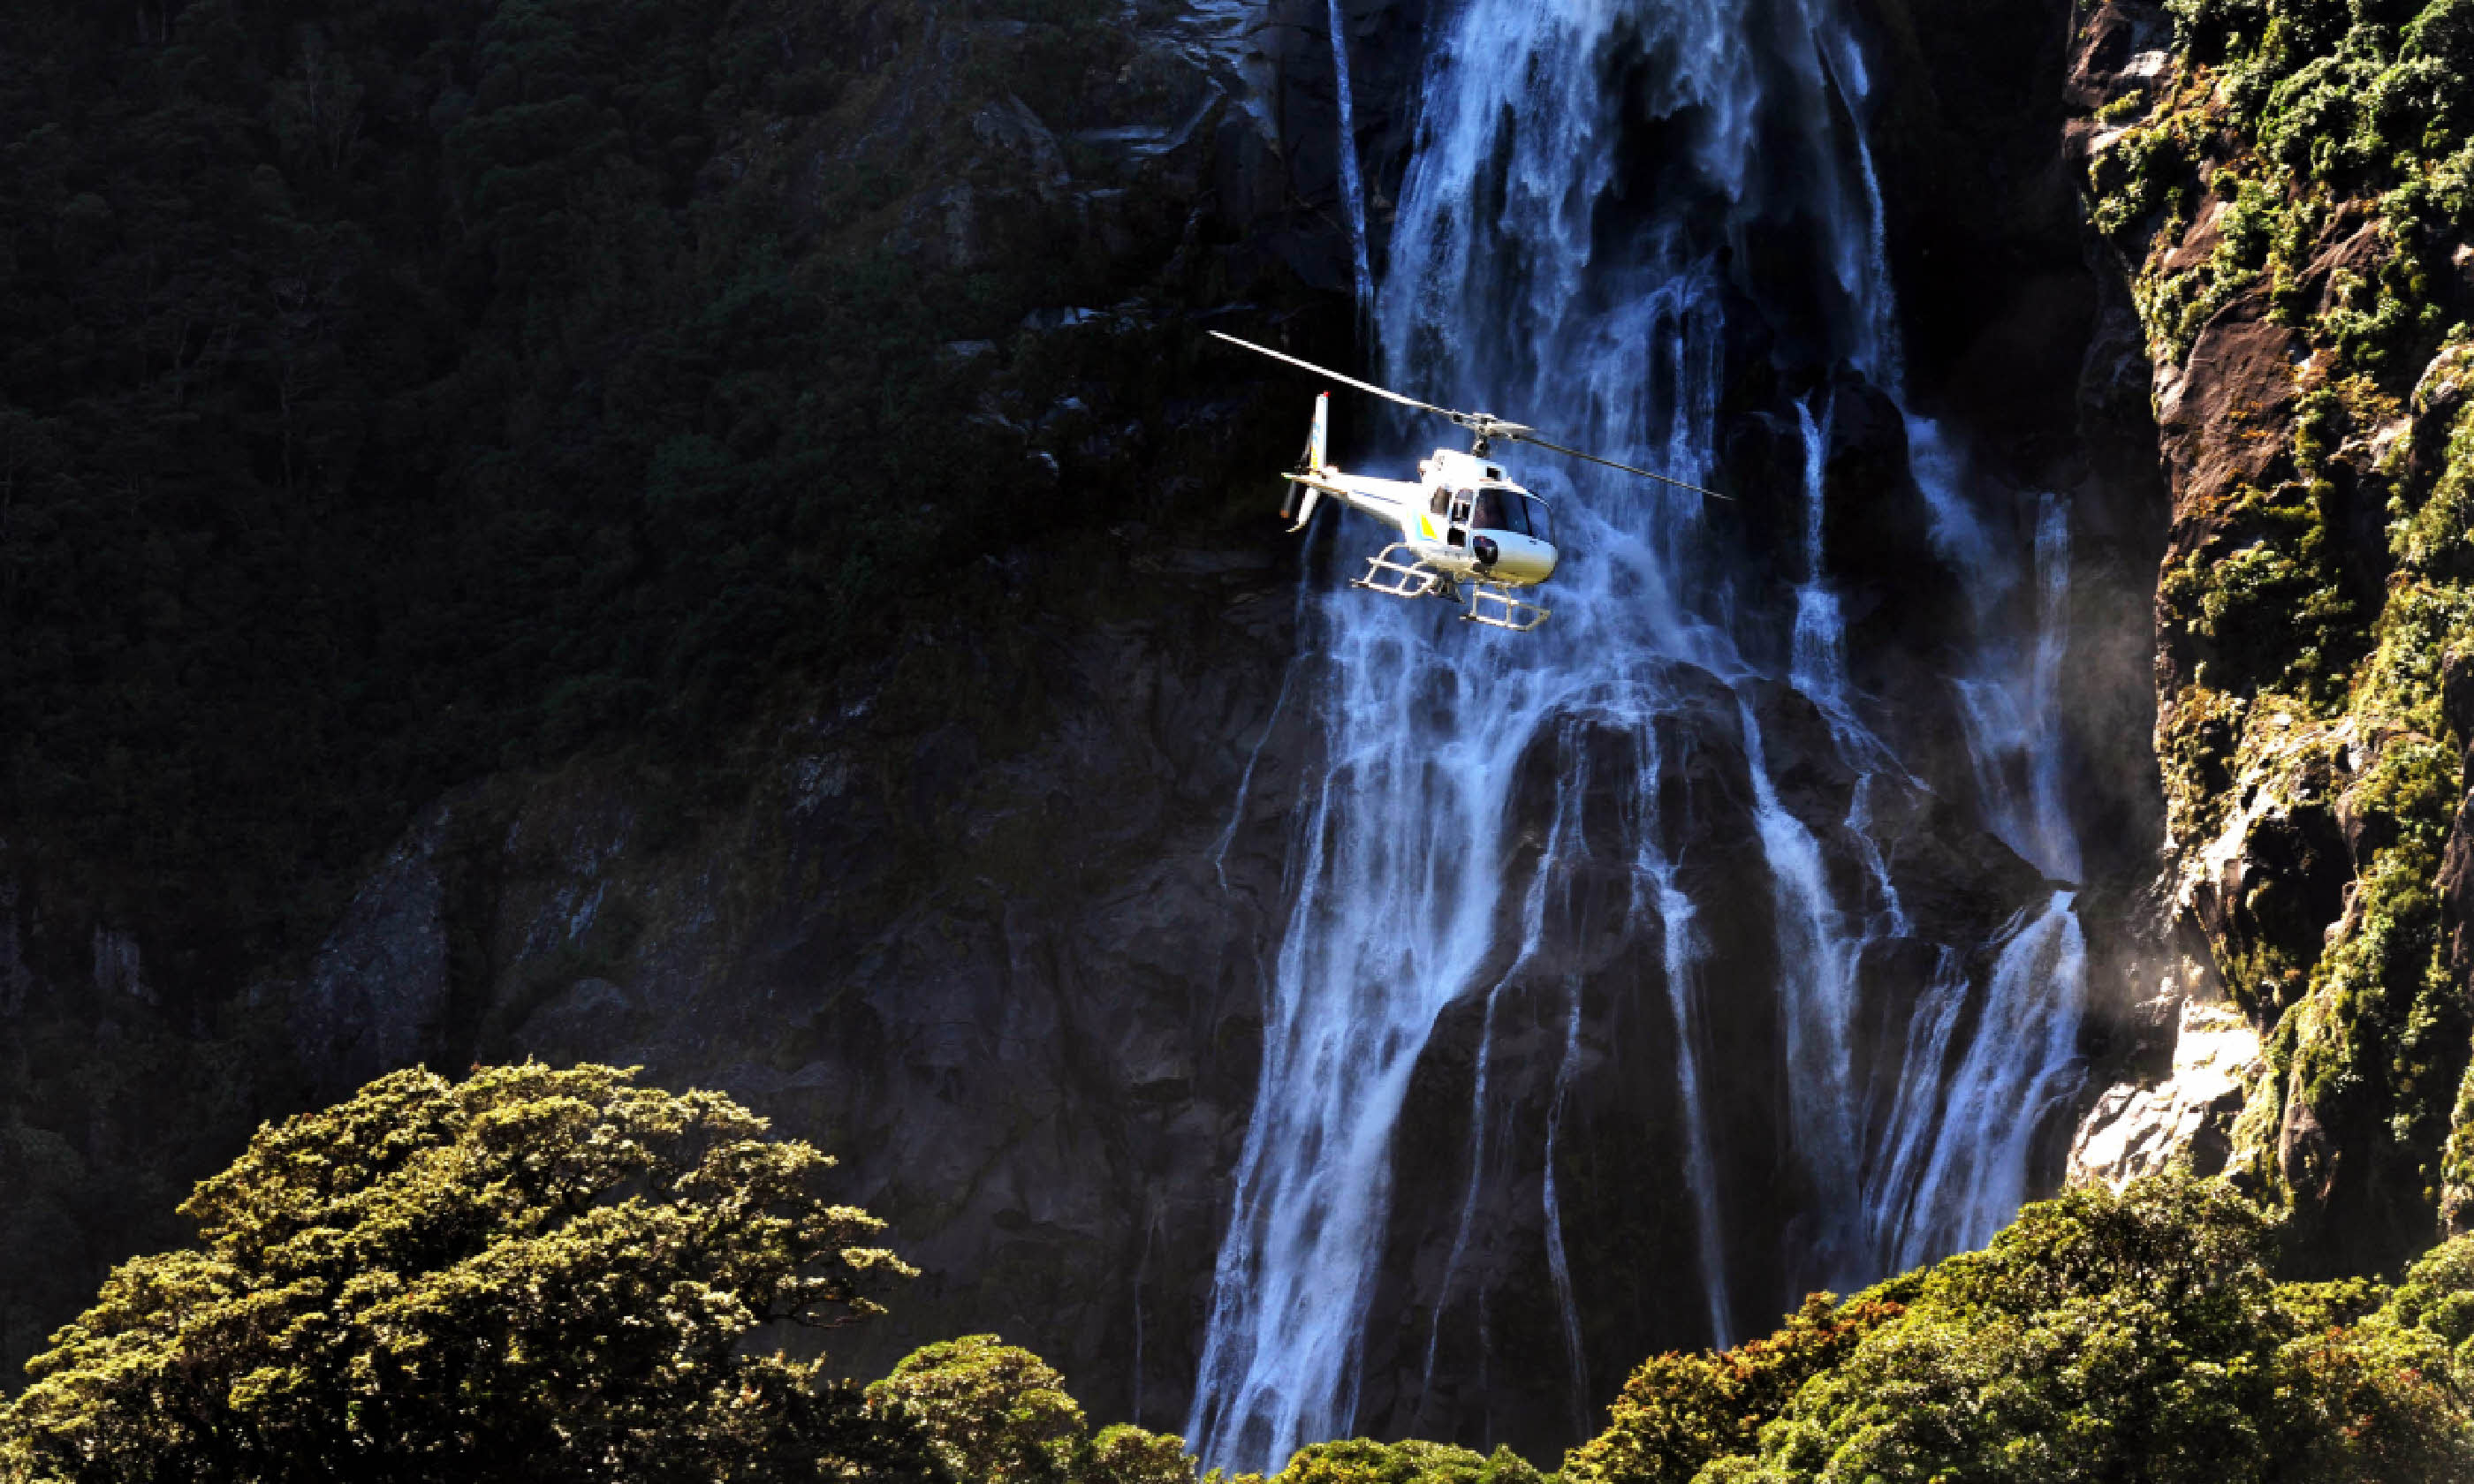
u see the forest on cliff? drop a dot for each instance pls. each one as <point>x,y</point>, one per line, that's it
<point>2297,185</point>
<point>395,394</point>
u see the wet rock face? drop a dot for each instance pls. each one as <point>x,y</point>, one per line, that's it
<point>1984,223</point>
<point>2134,1131</point>
<point>1544,1233</point>
<point>994,932</point>
<point>992,925</point>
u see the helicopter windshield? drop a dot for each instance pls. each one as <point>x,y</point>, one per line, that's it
<point>1512,510</point>
<point>1499,509</point>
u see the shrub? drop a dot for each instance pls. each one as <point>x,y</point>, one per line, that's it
<point>1362,1461</point>
<point>993,1413</point>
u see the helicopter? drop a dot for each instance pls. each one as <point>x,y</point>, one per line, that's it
<point>1467,533</point>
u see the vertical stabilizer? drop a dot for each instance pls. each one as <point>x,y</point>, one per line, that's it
<point>1300,503</point>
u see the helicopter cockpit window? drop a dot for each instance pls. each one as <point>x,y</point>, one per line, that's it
<point>1441,501</point>
<point>1539,525</point>
<point>1502,509</point>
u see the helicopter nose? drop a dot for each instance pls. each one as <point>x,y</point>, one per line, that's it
<point>1517,559</point>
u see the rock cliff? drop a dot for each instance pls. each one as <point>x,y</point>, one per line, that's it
<point>940,877</point>
<point>2290,218</point>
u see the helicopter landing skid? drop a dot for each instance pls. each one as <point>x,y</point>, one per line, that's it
<point>1393,578</point>
<point>1493,604</point>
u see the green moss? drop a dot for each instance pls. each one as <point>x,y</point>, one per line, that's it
<point>2253,1164</point>
<point>2380,1055</point>
<point>2145,170</point>
<point>2305,122</point>
<point>2435,537</point>
<point>2123,110</point>
<point>2197,737</point>
<point>2267,594</point>
<point>2457,1160</point>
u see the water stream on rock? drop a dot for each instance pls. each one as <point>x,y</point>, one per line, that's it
<point>1352,180</point>
<point>1544,267</point>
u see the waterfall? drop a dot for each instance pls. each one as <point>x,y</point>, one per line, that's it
<point>1539,270</point>
<point>2021,1061</point>
<point>1352,183</point>
<point>1818,994</point>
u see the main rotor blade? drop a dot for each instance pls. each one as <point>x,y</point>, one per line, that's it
<point>1531,438</point>
<point>1324,371</point>
<point>1465,420</point>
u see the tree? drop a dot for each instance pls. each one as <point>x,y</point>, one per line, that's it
<point>2100,1337</point>
<point>1679,1412</point>
<point>531,1273</point>
<point>994,1413</point>
<point>2097,1337</point>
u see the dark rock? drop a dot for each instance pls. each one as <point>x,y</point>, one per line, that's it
<point>2456,883</point>
<point>2117,50</point>
<point>1009,126</point>
<point>2455,880</point>
<point>2308,1160</point>
<point>2224,415</point>
<point>376,995</point>
<point>2186,1119</point>
<point>2272,899</point>
<point>993,939</point>
<point>1895,594</point>
<point>1470,1336</point>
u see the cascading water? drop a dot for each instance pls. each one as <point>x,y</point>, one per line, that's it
<point>1540,266</point>
<point>1352,180</point>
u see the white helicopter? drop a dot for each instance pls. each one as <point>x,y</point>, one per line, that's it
<point>1460,521</point>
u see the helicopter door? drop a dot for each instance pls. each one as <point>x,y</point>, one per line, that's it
<point>1458,534</point>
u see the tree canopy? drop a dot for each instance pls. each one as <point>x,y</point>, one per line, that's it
<point>2100,1337</point>
<point>1363,1461</point>
<point>995,1412</point>
<point>555,1274</point>
<point>532,1273</point>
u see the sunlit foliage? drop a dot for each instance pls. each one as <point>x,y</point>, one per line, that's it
<point>531,1273</point>
<point>2137,1337</point>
